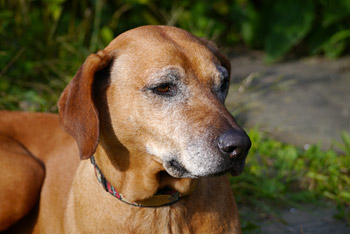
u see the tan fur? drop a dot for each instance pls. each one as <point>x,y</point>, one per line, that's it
<point>21,178</point>
<point>110,113</point>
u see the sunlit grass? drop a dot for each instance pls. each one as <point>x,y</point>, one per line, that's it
<point>282,175</point>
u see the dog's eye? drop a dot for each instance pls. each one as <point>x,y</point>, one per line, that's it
<point>224,75</point>
<point>222,90</point>
<point>224,86</point>
<point>163,88</point>
<point>166,89</point>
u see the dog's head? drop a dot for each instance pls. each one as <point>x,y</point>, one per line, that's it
<point>164,95</point>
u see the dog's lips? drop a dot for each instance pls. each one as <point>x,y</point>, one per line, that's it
<point>238,164</point>
<point>237,168</point>
<point>176,169</point>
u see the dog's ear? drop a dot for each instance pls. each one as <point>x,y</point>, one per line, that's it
<point>77,112</point>
<point>222,58</point>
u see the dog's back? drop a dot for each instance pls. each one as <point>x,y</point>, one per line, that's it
<point>29,142</point>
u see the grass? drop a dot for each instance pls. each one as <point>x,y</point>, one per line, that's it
<point>282,175</point>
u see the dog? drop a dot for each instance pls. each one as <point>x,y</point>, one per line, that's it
<point>146,115</point>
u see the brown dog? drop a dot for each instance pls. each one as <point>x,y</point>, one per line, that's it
<point>149,111</point>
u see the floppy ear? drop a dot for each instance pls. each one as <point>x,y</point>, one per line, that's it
<point>77,112</point>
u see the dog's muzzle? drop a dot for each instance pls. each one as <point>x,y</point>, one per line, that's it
<point>228,155</point>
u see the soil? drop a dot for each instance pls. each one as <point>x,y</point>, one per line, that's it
<point>301,102</point>
<point>308,220</point>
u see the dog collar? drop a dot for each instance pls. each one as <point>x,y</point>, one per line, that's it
<point>161,198</point>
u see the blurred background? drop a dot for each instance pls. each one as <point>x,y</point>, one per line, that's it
<point>290,88</point>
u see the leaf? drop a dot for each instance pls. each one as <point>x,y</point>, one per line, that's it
<point>4,84</point>
<point>334,11</point>
<point>149,18</point>
<point>106,34</point>
<point>288,28</point>
<point>252,28</point>
<point>345,144</point>
<point>318,36</point>
<point>345,195</point>
<point>337,44</point>
<point>249,227</point>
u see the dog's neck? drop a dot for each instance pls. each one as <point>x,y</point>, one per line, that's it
<point>185,216</point>
<point>131,178</point>
<point>163,197</point>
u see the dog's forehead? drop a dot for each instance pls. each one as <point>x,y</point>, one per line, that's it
<point>151,48</point>
<point>154,35</point>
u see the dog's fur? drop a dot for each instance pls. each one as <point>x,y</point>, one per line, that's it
<point>141,138</point>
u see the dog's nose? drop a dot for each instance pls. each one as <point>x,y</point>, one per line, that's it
<point>234,142</point>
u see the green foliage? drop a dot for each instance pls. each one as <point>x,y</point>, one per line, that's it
<point>42,43</point>
<point>316,26</point>
<point>282,174</point>
<point>287,29</point>
<point>344,146</point>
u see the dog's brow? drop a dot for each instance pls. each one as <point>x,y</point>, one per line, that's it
<point>167,74</point>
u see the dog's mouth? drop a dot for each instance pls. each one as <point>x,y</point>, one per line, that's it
<point>178,170</point>
<point>237,168</point>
